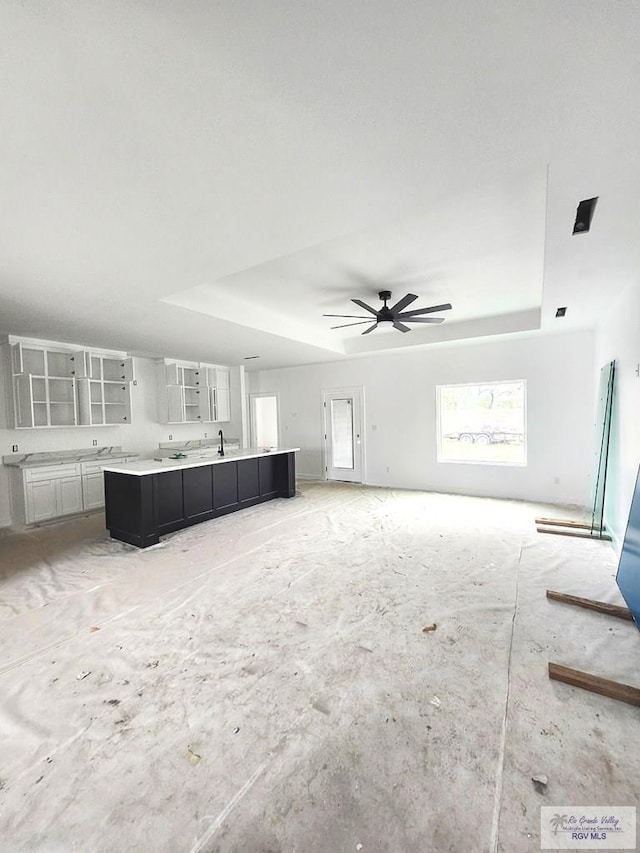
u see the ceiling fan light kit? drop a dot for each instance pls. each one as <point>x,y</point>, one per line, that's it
<point>395,316</point>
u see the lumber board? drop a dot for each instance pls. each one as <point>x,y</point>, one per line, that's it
<point>564,522</point>
<point>603,536</point>
<point>617,610</point>
<point>595,684</point>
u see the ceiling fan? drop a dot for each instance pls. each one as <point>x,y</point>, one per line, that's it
<point>395,316</point>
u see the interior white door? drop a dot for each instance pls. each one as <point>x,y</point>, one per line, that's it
<point>264,420</point>
<point>343,435</point>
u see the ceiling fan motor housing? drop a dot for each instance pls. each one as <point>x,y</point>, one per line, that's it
<point>384,314</point>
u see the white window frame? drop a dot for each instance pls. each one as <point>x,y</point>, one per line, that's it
<point>439,388</point>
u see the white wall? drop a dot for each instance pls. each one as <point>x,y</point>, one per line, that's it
<point>400,415</point>
<point>142,435</point>
<point>618,338</point>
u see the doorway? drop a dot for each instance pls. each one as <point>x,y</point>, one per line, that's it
<point>264,420</point>
<point>343,434</point>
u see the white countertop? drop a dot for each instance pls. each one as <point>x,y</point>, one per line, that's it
<point>156,466</point>
<point>62,457</point>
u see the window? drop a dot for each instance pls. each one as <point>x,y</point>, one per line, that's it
<point>483,422</point>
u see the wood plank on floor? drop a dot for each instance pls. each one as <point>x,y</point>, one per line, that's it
<point>602,536</point>
<point>564,522</point>
<point>594,683</point>
<point>616,610</point>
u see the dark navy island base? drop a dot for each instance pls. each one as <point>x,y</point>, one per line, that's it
<point>142,507</point>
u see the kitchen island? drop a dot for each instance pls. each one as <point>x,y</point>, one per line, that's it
<point>146,499</point>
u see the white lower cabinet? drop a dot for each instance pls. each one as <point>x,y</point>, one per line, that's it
<point>70,495</point>
<point>93,482</point>
<point>41,500</point>
<point>93,490</point>
<point>52,491</point>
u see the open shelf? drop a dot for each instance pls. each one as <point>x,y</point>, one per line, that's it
<point>61,385</point>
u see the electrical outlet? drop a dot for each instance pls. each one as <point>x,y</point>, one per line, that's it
<point>170,438</point>
<point>205,435</point>
<point>95,442</point>
<point>14,448</point>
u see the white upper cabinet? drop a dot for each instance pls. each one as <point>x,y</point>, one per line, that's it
<point>218,377</point>
<point>105,392</point>
<point>221,404</point>
<point>187,392</point>
<point>173,411</point>
<point>62,385</point>
<point>218,380</point>
<point>172,374</point>
<point>110,367</point>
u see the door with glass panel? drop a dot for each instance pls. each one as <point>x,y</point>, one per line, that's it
<point>343,435</point>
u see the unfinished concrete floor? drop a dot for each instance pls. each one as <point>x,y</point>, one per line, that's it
<point>262,683</point>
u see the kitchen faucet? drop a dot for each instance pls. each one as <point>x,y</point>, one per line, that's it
<point>221,448</point>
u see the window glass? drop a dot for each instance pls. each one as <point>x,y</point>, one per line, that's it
<point>483,422</point>
<point>341,434</point>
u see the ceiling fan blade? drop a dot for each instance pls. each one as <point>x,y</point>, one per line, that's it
<point>432,310</point>
<point>371,328</point>
<point>400,326</point>
<point>406,300</point>
<point>365,306</point>
<point>355,316</point>
<point>344,326</point>
<point>423,319</point>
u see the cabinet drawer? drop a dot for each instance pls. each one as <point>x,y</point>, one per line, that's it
<point>95,467</point>
<point>51,472</point>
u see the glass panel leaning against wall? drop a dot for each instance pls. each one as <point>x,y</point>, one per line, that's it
<point>484,422</point>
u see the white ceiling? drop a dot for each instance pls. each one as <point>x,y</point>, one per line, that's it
<point>205,180</point>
